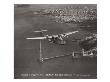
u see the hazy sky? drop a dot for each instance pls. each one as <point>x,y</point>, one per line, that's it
<point>39,6</point>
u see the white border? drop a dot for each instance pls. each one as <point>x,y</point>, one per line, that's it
<point>55,1</point>
<point>7,37</point>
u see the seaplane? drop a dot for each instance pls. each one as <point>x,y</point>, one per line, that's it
<point>57,39</point>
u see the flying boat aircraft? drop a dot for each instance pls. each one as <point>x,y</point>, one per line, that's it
<point>57,39</point>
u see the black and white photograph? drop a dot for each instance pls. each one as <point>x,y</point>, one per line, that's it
<point>55,41</point>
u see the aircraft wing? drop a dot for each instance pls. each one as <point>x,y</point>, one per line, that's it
<point>64,34</point>
<point>37,38</point>
<point>41,31</point>
<point>70,33</point>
